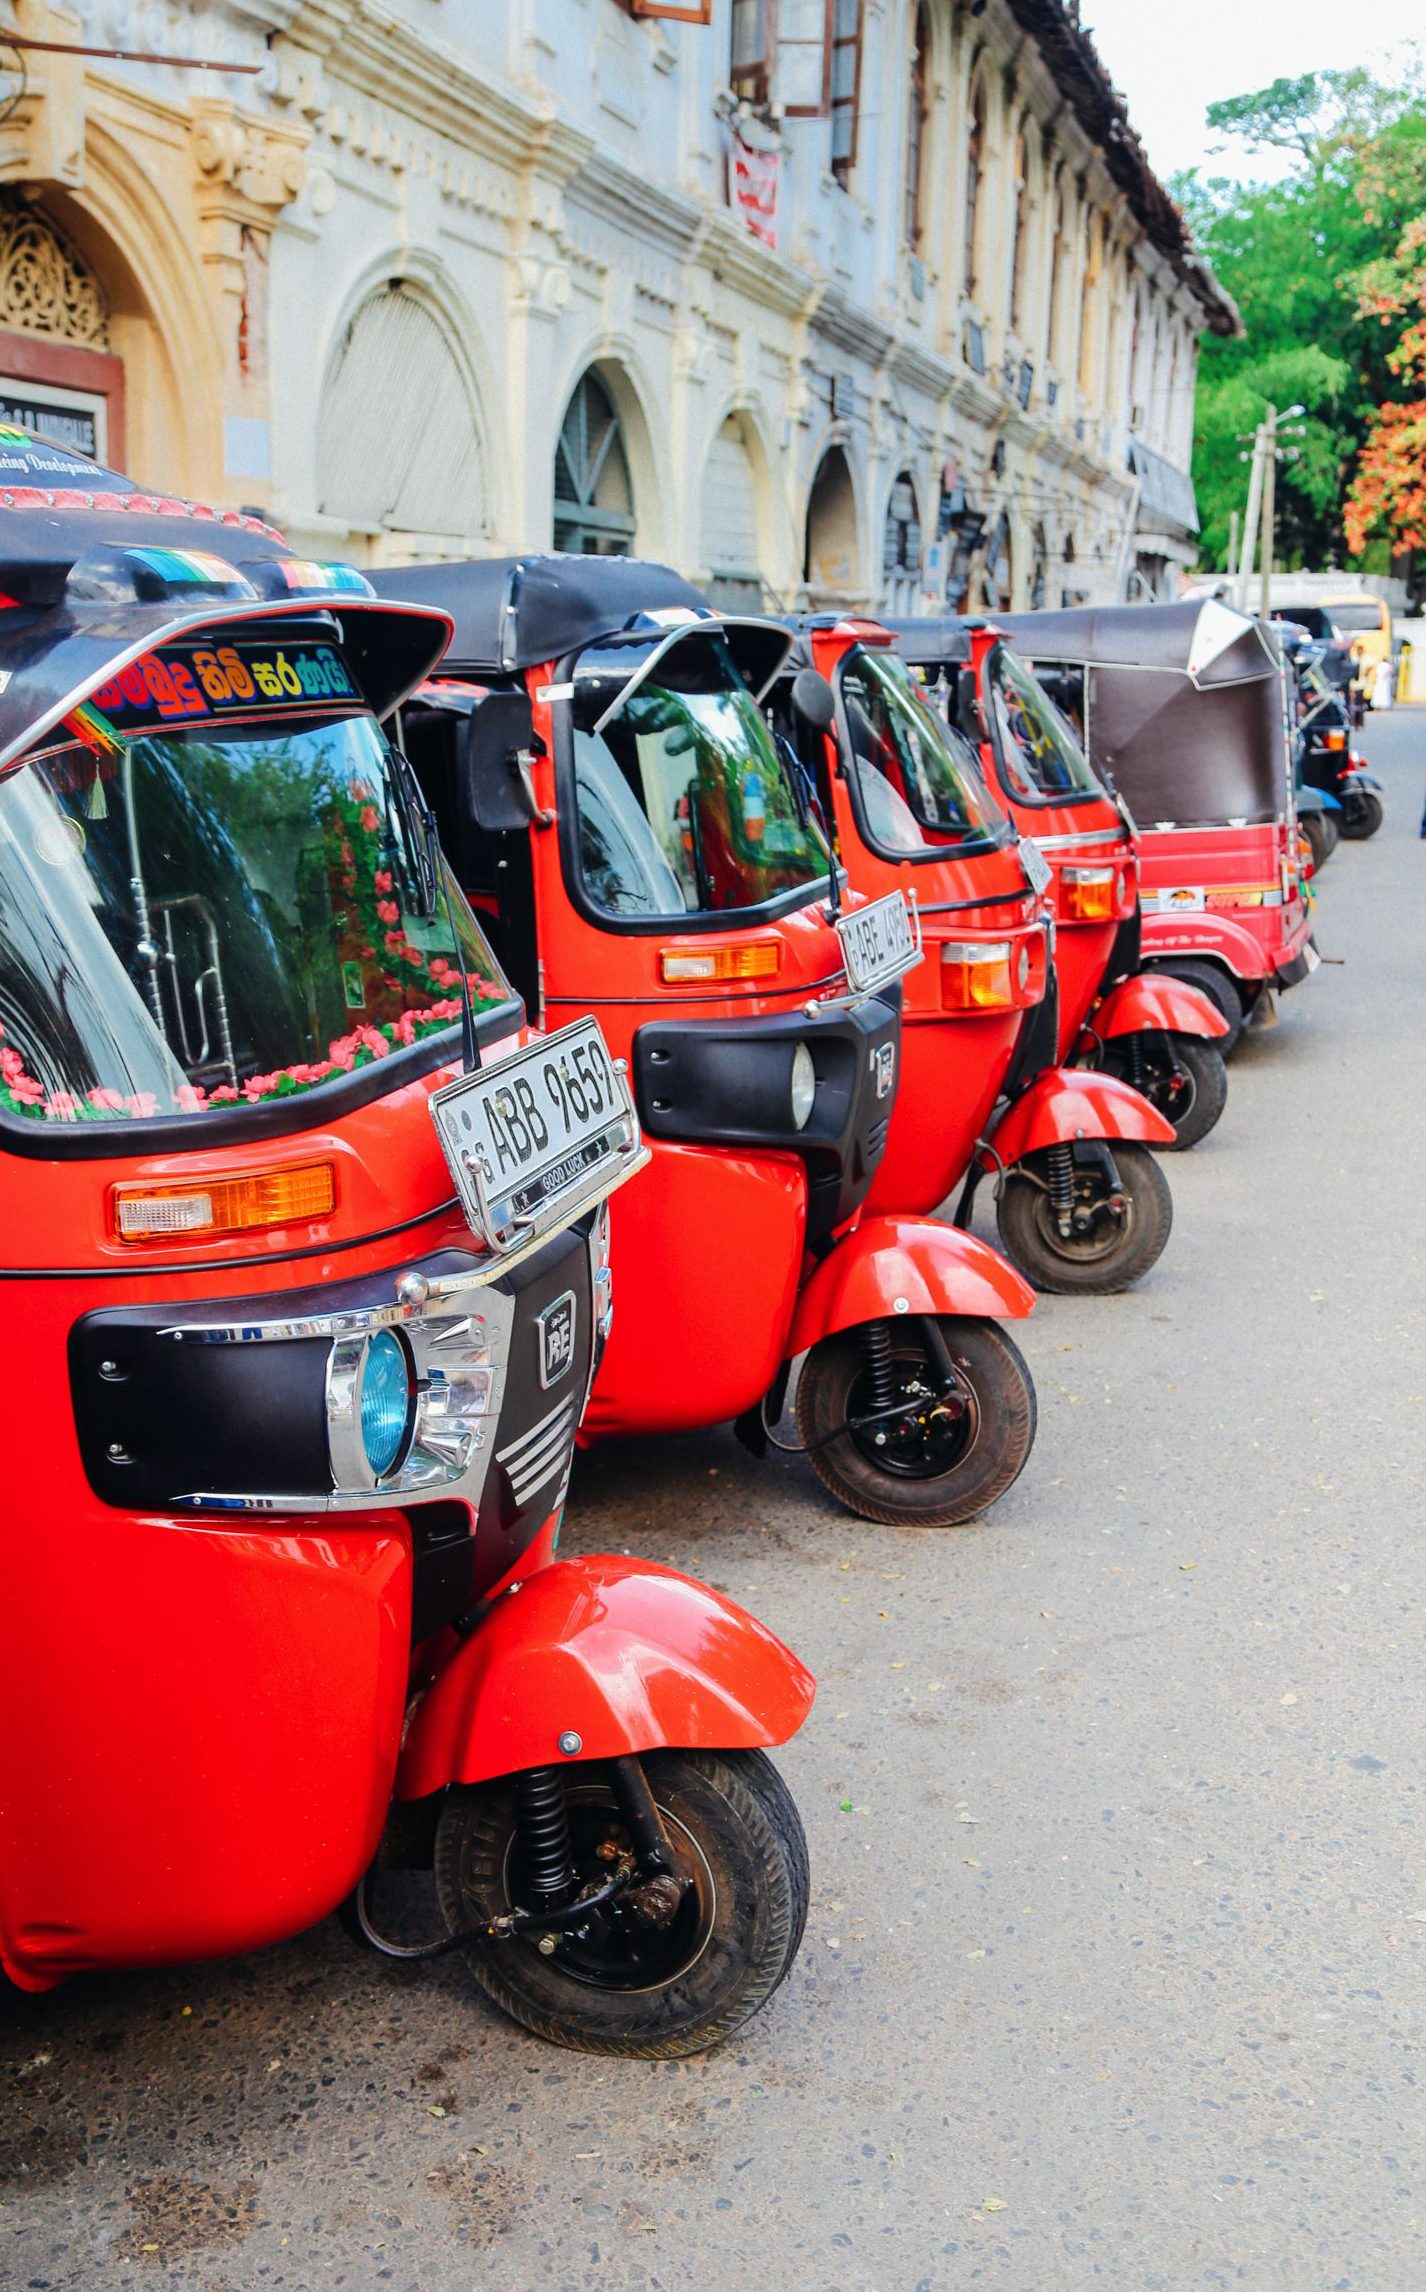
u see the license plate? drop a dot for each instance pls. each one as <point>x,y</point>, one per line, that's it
<point>879,942</point>
<point>1036,866</point>
<point>535,1138</point>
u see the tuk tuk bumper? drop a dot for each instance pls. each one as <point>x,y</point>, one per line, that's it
<point>596,1659</point>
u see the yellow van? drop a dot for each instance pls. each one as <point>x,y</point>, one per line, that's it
<point>1362,622</point>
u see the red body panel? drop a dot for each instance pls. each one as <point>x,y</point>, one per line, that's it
<point>952,1072</point>
<point>623,1654</point>
<point>1146,1003</point>
<point>906,1265</point>
<point>1189,876</point>
<point>700,1325</point>
<point>1072,1103</point>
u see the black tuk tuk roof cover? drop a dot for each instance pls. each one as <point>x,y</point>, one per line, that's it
<point>512,613</point>
<point>1182,703</point>
<point>94,571</point>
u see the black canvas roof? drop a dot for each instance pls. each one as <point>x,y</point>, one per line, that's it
<point>515,612</point>
<point>1147,636</point>
<point>60,638</point>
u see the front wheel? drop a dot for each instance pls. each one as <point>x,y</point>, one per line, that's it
<point>1219,989</point>
<point>917,1423</point>
<point>1115,1234</point>
<point>1184,1076</point>
<point>638,1978</point>
<point>1362,815</point>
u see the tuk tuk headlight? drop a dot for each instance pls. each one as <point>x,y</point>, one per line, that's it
<point>385,1404</point>
<point>804,1086</point>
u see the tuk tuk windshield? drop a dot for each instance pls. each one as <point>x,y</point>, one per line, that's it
<point>917,782</point>
<point>685,804</point>
<point>1040,760</point>
<point>207,916</point>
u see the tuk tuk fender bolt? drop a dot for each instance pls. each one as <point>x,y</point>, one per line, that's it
<point>571,1744</point>
<point>108,1368</point>
<point>547,1945</point>
<point>901,1304</point>
<point>413,1288</point>
<point>117,1452</point>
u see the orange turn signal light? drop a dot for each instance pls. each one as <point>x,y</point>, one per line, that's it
<point>1087,894</point>
<point>237,1205</point>
<point>1334,740</point>
<point>759,959</point>
<point>976,974</point>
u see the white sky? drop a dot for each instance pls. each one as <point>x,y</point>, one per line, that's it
<point>1171,62</point>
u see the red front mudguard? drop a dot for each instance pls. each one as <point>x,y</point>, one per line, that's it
<point>618,1654</point>
<point>906,1265</point>
<point>1153,1003</point>
<point>1068,1103</point>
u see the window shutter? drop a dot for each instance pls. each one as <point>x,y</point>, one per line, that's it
<point>802,83</point>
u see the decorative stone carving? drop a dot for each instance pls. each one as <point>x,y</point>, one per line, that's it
<point>244,160</point>
<point>45,285</point>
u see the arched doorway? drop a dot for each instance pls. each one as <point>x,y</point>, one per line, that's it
<point>997,577</point>
<point>59,375</point>
<point>830,560</point>
<point>594,492</point>
<point>730,521</point>
<point>398,449</point>
<point>901,548</point>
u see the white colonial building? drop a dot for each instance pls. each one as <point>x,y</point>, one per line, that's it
<point>864,301</point>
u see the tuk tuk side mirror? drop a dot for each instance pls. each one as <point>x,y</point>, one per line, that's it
<point>498,753</point>
<point>813,700</point>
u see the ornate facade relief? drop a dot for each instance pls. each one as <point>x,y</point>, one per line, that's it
<point>45,285</point>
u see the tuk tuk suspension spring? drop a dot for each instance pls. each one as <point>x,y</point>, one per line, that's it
<point>1061,1161</point>
<point>1135,1048</point>
<point>880,1373</point>
<point>544,1832</point>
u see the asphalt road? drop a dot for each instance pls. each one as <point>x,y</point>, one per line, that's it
<point>1113,1976</point>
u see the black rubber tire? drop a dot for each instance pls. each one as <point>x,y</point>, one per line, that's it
<point>750,1859</point>
<point>1006,1410</point>
<point>1364,819</point>
<point>1028,1236</point>
<point>1218,987</point>
<point>1195,1112</point>
<point>1321,837</point>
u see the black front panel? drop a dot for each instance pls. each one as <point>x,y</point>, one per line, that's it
<point>161,1418</point>
<point>545,1385</point>
<point>1126,954</point>
<point>728,1082</point>
<point>1037,1046</point>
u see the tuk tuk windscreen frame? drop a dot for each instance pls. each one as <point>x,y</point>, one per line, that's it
<point>944,808</point>
<point>743,824</point>
<point>222,925</point>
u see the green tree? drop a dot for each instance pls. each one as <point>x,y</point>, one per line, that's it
<point>1292,254</point>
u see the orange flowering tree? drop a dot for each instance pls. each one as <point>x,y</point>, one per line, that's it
<point>1387,498</point>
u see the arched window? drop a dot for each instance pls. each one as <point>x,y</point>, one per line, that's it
<point>901,548</point>
<point>397,444</point>
<point>917,106</point>
<point>730,521</point>
<point>975,172</point>
<point>594,493</point>
<point>1021,233</point>
<point>830,561</point>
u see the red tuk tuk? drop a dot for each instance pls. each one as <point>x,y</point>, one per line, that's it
<point>598,764</point>
<point>1081,1202</point>
<point>1186,708</point>
<point>306,1253</point>
<point>1161,1035</point>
